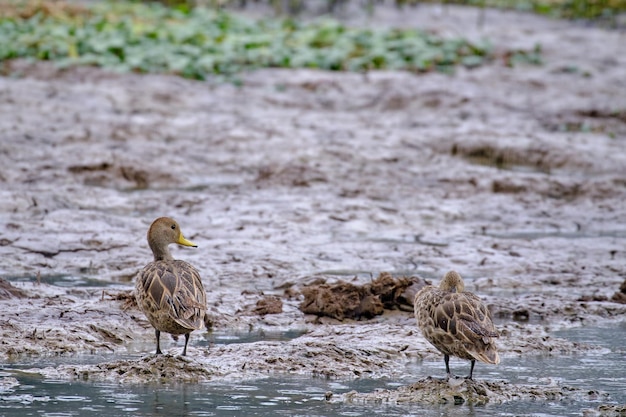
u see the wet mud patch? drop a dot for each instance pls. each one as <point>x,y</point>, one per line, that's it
<point>461,391</point>
<point>48,321</point>
<point>606,410</point>
<point>559,308</point>
<point>610,122</point>
<point>617,297</point>
<point>525,339</point>
<point>539,159</point>
<point>560,189</point>
<point>294,175</point>
<point>149,369</point>
<point>115,174</point>
<point>620,296</point>
<point>532,154</point>
<point>346,354</point>
<point>9,291</point>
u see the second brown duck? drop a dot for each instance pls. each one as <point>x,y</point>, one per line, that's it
<point>456,322</point>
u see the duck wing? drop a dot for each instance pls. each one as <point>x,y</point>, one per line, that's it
<point>176,287</point>
<point>475,328</point>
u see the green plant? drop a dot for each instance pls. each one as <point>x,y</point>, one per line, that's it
<point>200,42</point>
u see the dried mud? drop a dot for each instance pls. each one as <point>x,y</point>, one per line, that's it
<point>515,177</point>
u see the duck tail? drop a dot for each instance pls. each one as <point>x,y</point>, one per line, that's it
<point>489,355</point>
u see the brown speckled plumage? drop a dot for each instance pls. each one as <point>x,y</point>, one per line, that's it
<point>456,322</point>
<point>169,291</point>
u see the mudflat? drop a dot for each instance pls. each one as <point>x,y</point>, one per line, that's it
<point>515,177</point>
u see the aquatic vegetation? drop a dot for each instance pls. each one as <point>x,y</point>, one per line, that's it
<point>201,42</point>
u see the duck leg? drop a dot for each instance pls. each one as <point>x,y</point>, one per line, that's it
<point>471,370</point>
<point>186,341</point>
<point>446,359</point>
<point>158,338</point>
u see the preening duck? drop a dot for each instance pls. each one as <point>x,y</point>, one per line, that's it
<point>456,322</point>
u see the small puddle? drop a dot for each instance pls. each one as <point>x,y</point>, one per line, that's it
<point>603,370</point>
<point>226,338</point>
<point>500,161</point>
<point>65,281</point>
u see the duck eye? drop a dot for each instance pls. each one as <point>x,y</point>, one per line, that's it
<point>173,227</point>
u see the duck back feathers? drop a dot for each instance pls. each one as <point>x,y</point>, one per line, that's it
<point>169,291</point>
<point>172,296</point>
<point>456,322</point>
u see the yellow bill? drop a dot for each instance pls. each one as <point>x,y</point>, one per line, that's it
<point>182,241</point>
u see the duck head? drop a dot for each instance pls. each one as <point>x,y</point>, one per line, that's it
<point>452,282</point>
<point>161,234</point>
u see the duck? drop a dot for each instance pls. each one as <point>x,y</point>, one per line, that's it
<point>456,322</point>
<point>169,291</point>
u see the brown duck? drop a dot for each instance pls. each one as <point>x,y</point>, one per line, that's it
<point>456,322</point>
<point>169,291</point>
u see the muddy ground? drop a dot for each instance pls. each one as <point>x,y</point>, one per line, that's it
<point>515,177</point>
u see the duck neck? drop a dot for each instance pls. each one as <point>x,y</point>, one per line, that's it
<point>160,252</point>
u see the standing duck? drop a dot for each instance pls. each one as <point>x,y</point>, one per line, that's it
<point>456,322</point>
<point>169,291</point>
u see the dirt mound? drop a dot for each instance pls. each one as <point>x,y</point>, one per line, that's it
<point>607,410</point>
<point>539,157</point>
<point>566,189</point>
<point>464,391</point>
<point>533,307</point>
<point>9,291</point>
<point>294,175</point>
<point>267,304</point>
<point>346,300</point>
<point>620,296</point>
<point>122,175</point>
<point>152,368</point>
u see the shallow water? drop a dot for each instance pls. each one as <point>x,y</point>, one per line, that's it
<point>602,370</point>
<point>224,338</point>
<point>66,281</point>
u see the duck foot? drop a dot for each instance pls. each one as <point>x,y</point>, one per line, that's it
<point>157,333</point>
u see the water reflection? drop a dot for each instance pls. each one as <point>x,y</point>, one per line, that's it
<point>603,370</point>
<point>273,396</point>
